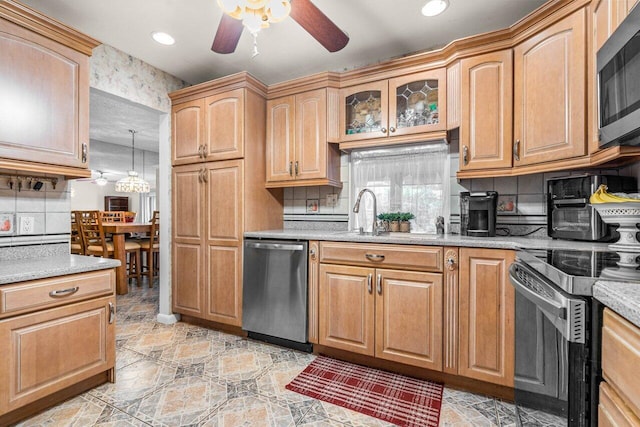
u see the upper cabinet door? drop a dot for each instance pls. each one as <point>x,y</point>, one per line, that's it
<point>364,111</point>
<point>280,137</point>
<point>188,130</point>
<point>225,126</point>
<point>487,94</point>
<point>549,94</point>
<point>44,94</point>
<point>310,160</point>
<point>418,103</point>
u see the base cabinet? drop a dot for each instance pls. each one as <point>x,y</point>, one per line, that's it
<point>389,314</point>
<point>486,316</point>
<point>620,391</point>
<point>47,351</point>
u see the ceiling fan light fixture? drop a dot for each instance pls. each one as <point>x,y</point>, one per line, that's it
<point>279,10</point>
<point>435,7</point>
<point>101,180</point>
<point>163,38</point>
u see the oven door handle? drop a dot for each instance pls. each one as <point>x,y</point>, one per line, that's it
<point>550,306</point>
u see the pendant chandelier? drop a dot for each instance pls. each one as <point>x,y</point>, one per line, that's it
<point>256,14</point>
<point>132,183</point>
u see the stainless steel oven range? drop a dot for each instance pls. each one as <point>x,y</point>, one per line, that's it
<point>557,366</point>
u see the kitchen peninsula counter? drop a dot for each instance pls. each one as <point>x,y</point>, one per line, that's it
<point>621,297</point>
<point>20,270</point>
<point>498,242</point>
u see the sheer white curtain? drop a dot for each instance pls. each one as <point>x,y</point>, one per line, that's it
<point>404,179</point>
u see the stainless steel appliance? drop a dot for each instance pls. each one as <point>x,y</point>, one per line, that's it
<point>557,330</point>
<point>618,65</point>
<point>569,215</point>
<point>478,212</point>
<point>274,297</point>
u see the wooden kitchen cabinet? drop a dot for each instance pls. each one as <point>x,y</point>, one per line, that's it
<point>50,350</point>
<point>215,201</point>
<point>549,93</point>
<point>395,110</point>
<point>207,252</point>
<point>389,314</point>
<point>209,129</point>
<point>44,82</point>
<point>487,111</point>
<point>298,130</point>
<point>620,392</point>
<point>486,316</point>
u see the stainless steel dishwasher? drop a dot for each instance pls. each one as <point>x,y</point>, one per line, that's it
<point>274,297</point>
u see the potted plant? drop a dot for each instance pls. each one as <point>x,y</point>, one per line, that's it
<point>385,219</point>
<point>404,218</point>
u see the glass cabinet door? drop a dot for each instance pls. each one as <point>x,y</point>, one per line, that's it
<point>418,103</point>
<point>364,111</point>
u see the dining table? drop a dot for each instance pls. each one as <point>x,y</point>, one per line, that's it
<point>118,231</point>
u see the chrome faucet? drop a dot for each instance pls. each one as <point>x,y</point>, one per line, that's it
<point>356,208</point>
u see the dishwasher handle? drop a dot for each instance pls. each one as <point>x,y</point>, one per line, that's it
<point>276,246</point>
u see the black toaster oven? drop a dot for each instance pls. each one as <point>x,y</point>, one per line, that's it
<point>569,215</point>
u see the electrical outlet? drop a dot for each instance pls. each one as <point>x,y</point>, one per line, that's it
<point>26,225</point>
<point>332,200</point>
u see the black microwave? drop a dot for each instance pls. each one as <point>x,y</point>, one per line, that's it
<point>618,66</point>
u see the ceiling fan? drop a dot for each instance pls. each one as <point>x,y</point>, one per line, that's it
<point>257,14</point>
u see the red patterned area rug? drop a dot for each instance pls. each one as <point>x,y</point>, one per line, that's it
<point>393,398</point>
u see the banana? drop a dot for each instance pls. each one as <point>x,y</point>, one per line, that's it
<point>602,196</point>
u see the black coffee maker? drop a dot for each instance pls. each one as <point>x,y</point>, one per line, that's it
<point>478,213</point>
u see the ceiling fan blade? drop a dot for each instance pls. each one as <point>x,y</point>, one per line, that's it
<point>318,25</point>
<point>228,35</point>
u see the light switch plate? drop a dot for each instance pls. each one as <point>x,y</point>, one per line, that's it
<point>332,200</point>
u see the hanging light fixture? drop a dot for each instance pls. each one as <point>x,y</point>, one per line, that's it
<point>101,180</point>
<point>132,183</point>
<point>256,14</point>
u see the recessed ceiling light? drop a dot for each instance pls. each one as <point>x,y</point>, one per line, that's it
<point>163,38</point>
<point>434,7</point>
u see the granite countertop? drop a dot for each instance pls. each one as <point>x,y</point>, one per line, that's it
<point>12,271</point>
<point>621,297</point>
<point>497,242</point>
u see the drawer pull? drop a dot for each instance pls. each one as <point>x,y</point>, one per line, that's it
<point>374,257</point>
<point>112,312</point>
<point>379,284</point>
<point>64,292</point>
<point>370,283</point>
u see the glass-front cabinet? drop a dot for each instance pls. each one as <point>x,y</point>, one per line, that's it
<point>404,105</point>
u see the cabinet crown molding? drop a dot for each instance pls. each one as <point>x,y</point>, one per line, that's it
<point>35,21</point>
<point>241,80</point>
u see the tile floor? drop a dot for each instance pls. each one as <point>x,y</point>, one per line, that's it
<point>185,375</point>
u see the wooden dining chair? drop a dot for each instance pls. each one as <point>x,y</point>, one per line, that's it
<point>112,216</point>
<point>151,248</point>
<point>96,243</point>
<point>76,243</point>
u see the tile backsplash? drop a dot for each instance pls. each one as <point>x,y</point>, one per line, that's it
<point>50,209</point>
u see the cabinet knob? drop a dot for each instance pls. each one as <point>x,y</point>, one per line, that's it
<point>312,253</point>
<point>383,130</point>
<point>451,260</point>
<point>392,129</point>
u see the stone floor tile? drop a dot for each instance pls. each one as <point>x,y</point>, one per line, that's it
<point>237,363</point>
<point>254,411</point>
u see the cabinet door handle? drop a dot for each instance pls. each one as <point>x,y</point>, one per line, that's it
<point>379,284</point>
<point>383,130</point>
<point>205,177</point>
<point>465,155</point>
<point>200,151</point>
<point>64,292</point>
<point>200,176</point>
<point>370,283</point>
<point>290,168</point>
<point>296,168</point>
<point>516,150</point>
<point>112,312</point>
<point>205,149</point>
<point>84,153</point>
<point>374,257</point>
<point>392,129</point>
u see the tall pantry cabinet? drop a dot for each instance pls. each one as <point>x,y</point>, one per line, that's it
<point>218,193</point>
